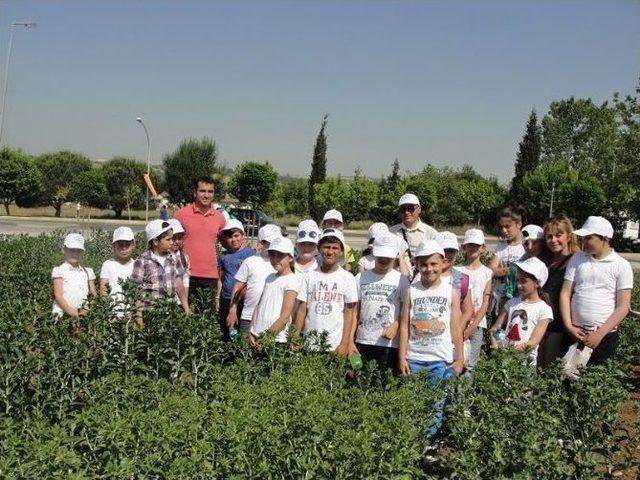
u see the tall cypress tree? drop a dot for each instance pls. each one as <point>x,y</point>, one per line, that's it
<point>528,158</point>
<point>318,168</point>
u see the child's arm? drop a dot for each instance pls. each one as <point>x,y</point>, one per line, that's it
<point>103,285</point>
<point>456,333</point>
<point>565,310</point>
<point>182,295</point>
<point>59,298</point>
<point>301,314</point>
<point>288,302</point>
<point>403,340</point>
<point>623,305</point>
<point>486,296</point>
<point>536,335</point>
<point>346,346</point>
<point>497,326</point>
<point>466,311</point>
<point>92,287</point>
<point>232,317</point>
<point>219,288</point>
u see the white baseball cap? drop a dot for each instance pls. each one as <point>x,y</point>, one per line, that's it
<point>233,224</point>
<point>596,226</point>
<point>74,240</point>
<point>123,233</point>
<point>333,215</point>
<point>333,232</point>
<point>269,232</point>
<point>408,199</point>
<point>535,267</point>
<point>155,228</point>
<point>176,226</point>
<point>532,232</point>
<point>427,248</point>
<point>385,245</point>
<point>473,236</point>
<point>447,240</point>
<point>378,229</point>
<point>282,245</point>
<point>308,231</point>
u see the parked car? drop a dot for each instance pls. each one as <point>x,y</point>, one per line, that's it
<point>253,220</point>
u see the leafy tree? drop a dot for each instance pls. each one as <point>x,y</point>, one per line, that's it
<point>90,188</point>
<point>318,169</point>
<point>331,193</point>
<point>360,198</point>
<point>528,158</point>
<point>580,198</point>
<point>295,196</point>
<point>254,183</point>
<point>425,185</point>
<point>390,190</point>
<point>125,183</point>
<point>58,171</point>
<point>193,158</point>
<point>20,178</point>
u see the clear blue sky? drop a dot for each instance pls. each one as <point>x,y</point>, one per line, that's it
<point>441,82</point>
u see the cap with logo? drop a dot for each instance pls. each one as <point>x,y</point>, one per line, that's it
<point>75,241</point>
<point>447,240</point>
<point>155,228</point>
<point>427,248</point>
<point>473,236</point>
<point>532,232</point>
<point>308,231</point>
<point>333,215</point>
<point>408,199</point>
<point>282,245</point>
<point>385,245</point>
<point>536,267</point>
<point>124,234</point>
<point>332,232</point>
<point>233,224</point>
<point>269,233</point>
<point>596,226</point>
<point>176,226</point>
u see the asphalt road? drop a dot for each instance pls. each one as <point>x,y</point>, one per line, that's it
<point>38,225</point>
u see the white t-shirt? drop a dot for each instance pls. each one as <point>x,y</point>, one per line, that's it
<point>75,285</point>
<point>507,255</point>
<point>478,280</point>
<point>430,337</point>
<point>595,286</point>
<point>313,265</point>
<point>268,309</point>
<point>253,271</point>
<point>114,271</point>
<point>325,295</point>
<point>368,262</point>
<point>380,296</point>
<point>522,318</point>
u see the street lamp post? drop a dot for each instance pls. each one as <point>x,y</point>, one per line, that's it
<point>146,132</point>
<point>26,25</point>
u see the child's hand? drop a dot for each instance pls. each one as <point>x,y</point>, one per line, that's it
<point>494,345</point>
<point>404,367</point>
<point>232,318</point>
<point>253,340</point>
<point>467,333</point>
<point>390,331</point>
<point>345,349</point>
<point>576,333</point>
<point>457,367</point>
<point>187,310</point>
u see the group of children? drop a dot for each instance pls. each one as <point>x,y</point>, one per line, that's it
<point>429,317</point>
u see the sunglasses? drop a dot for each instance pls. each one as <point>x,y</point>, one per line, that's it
<point>407,208</point>
<point>304,233</point>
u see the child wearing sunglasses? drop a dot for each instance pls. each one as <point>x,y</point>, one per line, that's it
<point>307,238</point>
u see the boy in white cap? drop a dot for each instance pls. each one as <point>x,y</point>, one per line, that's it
<point>411,228</point>
<point>480,278</point>
<point>233,240</point>
<point>250,279</point>
<point>333,219</point>
<point>430,330</point>
<point>157,271</point>
<point>328,297</point>
<point>118,268</point>
<point>367,261</point>
<point>177,250</point>
<point>276,304</point>
<point>380,293</point>
<point>307,237</point>
<point>527,315</point>
<point>72,283</point>
<point>596,293</point>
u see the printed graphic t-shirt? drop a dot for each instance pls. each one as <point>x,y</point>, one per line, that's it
<point>522,318</point>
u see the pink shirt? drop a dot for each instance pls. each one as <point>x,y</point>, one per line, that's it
<point>201,236</point>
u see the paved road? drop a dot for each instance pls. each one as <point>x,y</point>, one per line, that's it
<point>37,225</point>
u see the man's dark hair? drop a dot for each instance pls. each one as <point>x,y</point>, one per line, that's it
<point>203,179</point>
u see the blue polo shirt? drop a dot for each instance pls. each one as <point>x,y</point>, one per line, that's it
<point>229,263</point>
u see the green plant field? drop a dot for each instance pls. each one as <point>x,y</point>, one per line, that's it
<point>105,400</point>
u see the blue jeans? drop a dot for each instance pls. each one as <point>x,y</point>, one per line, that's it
<point>436,373</point>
